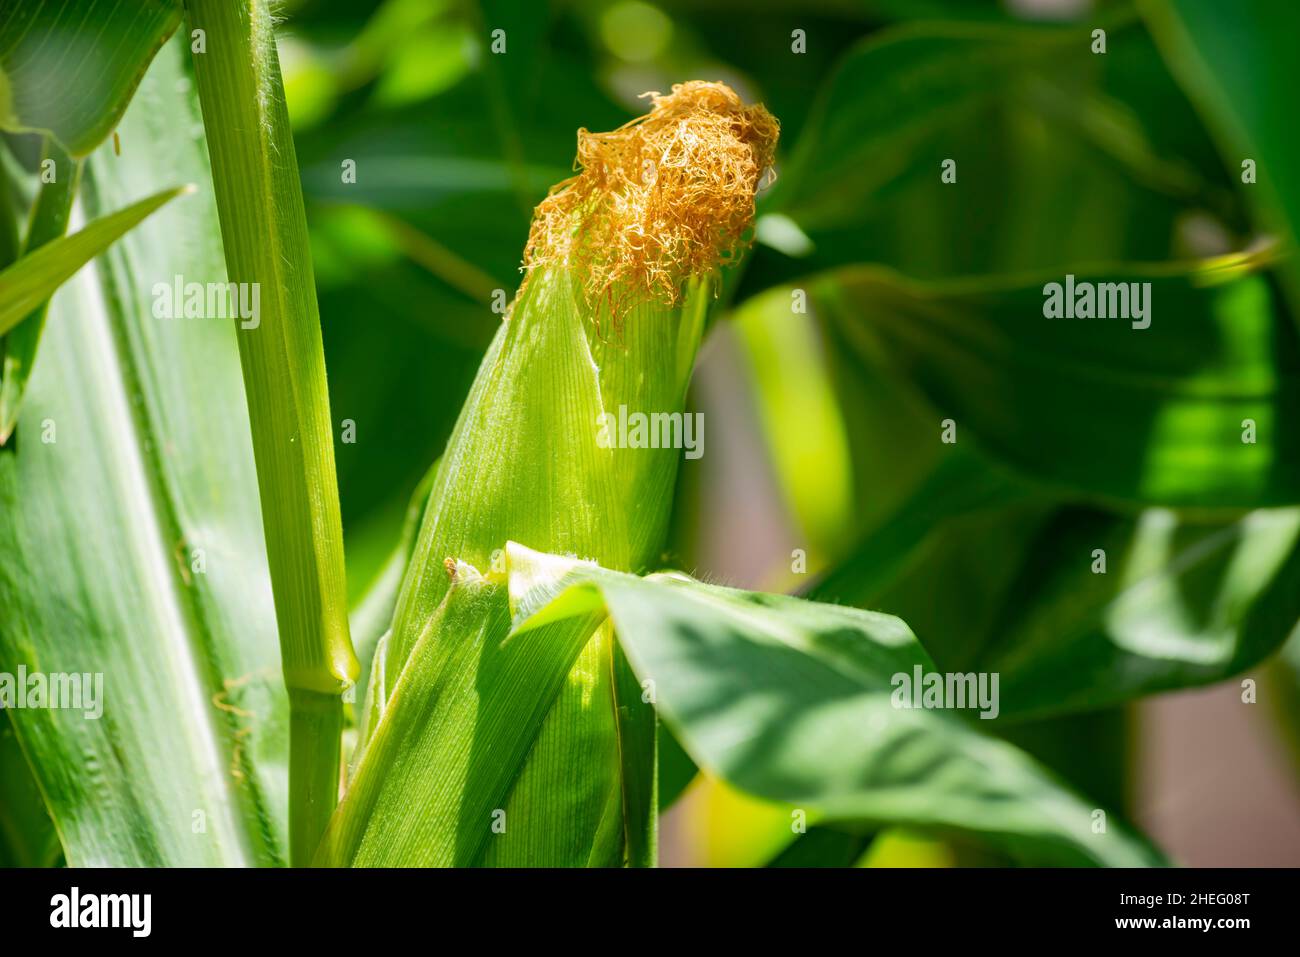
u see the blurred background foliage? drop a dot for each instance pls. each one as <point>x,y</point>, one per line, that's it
<point>823,424</point>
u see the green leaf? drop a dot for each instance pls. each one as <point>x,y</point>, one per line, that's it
<point>1180,605</point>
<point>791,701</point>
<point>264,229</point>
<point>69,67</point>
<point>1061,156</point>
<point>1195,412</point>
<point>894,91</point>
<point>1237,62</point>
<point>131,541</point>
<point>49,220</point>
<point>29,282</point>
<point>1076,608</point>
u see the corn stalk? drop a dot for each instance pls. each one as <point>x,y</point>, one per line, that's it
<point>264,230</point>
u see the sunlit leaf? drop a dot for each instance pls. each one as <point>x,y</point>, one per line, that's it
<point>69,67</point>
<point>792,701</point>
<point>1194,411</point>
<point>131,540</point>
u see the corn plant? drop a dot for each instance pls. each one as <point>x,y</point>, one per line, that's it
<point>529,680</point>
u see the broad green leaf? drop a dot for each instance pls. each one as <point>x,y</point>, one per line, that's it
<point>131,540</point>
<point>892,92</point>
<point>1194,412</point>
<point>1238,64</point>
<point>791,701</point>
<point>1014,562</point>
<point>1075,158</point>
<point>264,231</point>
<point>1057,156</point>
<point>69,67</point>
<point>49,220</point>
<point>30,281</point>
<point>1015,566</point>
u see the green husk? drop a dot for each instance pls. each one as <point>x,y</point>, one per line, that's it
<point>528,463</point>
<point>524,463</point>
